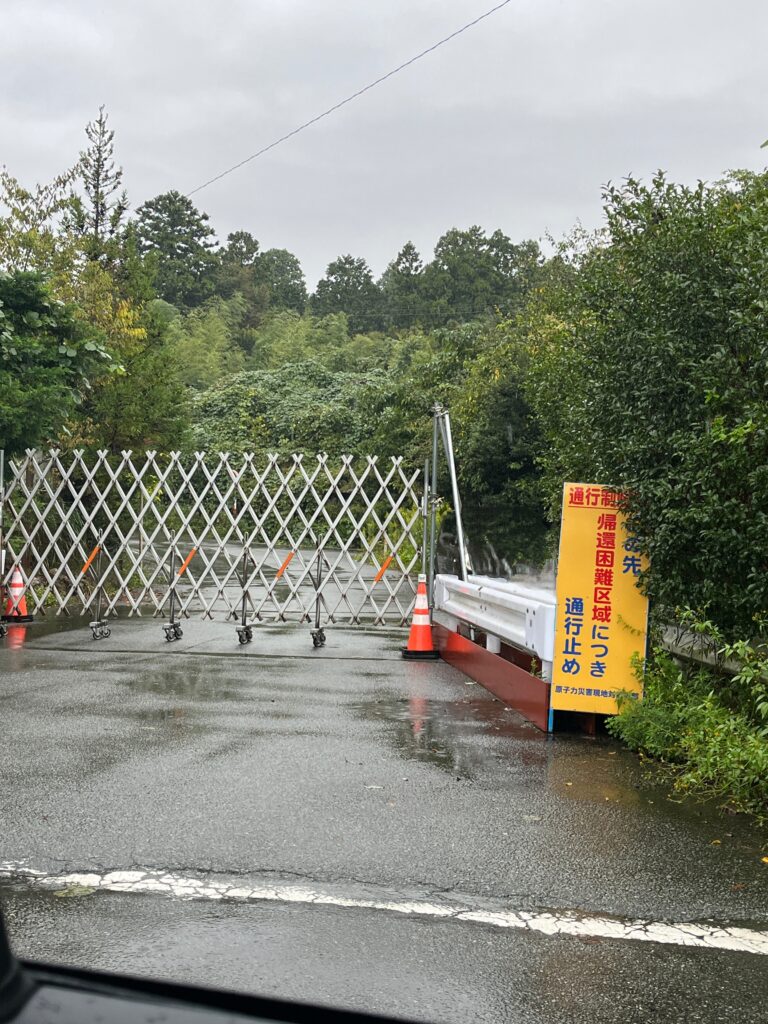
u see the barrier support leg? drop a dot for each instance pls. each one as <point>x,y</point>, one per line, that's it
<point>244,631</point>
<point>318,634</point>
<point>99,628</point>
<point>172,628</point>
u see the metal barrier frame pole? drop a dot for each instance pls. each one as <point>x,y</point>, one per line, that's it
<point>424,518</point>
<point>99,628</point>
<point>433,512</point>
<point>445,424</point>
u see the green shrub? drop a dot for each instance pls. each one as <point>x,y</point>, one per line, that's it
<point>706,723</point>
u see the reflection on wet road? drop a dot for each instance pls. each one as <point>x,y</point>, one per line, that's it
<point>440,733</point>
<point>341,825</point>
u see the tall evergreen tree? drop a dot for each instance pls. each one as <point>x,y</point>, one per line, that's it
<point>473,274</point>
<point>279,271</point>
<point>105,203</point>
<point>348,287</point>
<point>236,274</point>
<point>401,284</point>
<point>241,250</point>
<point>177,235</point>
<point>266,280</point>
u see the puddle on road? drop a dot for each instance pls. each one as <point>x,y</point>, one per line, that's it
<point>445,733</point>
<point>51,625</point>
<point>481,739</point>
<point>183,683</point>
<point>195,680</point>
<point>21,634</point>
<point>176,720</point>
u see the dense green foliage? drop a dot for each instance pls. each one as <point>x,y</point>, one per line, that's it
<point>265,280</point>
<point>46,357</point>
<point>636,357</point>
<point>302,407</point>
<point>142,406</point>
<point>649,373</point>
<point>496,447</point>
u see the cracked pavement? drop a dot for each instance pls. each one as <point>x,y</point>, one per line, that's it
<point>426,905</point>
<point>358,830</point>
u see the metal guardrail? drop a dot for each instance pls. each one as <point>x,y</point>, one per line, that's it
<point>507,612</point>
<point>524,616</point>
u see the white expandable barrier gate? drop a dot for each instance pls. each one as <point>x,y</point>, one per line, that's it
<point>523,616</point>
<point>276,537</point>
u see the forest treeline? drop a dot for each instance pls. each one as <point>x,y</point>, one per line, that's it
<point>634,356</point>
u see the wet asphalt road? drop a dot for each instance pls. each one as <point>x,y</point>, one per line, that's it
<point>347,767</point>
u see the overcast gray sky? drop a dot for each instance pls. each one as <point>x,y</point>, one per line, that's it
<point>515,124</point>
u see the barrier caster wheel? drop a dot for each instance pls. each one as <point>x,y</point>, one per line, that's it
<point>318,638</point>
<point>106,632</point>
<point>241,636</point>
<point>248,634</point>
<point>3,631</point>
<point>169,633</point>
<point>178,633</point>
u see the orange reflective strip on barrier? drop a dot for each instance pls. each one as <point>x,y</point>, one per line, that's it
<point>187,560</point>
<point>285,565</point>
<point>383,569</point>
<point>90,558</point>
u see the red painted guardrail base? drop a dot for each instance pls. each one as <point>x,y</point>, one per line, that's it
<point>511,683</point>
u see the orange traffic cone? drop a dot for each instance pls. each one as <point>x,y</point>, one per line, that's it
<point>420,638</point>
<point>16,606</point>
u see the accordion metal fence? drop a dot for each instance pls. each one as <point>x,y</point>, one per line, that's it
<point>276,538</point>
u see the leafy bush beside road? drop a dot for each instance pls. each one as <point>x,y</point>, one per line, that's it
<point>697,721</point>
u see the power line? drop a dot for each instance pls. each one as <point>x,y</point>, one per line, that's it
<point>354,96</point>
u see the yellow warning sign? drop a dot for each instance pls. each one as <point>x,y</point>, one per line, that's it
<point>602,617</point>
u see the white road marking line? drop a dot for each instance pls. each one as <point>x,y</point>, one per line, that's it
<point>685,933</point>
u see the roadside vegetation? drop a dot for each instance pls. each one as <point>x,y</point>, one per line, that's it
<point>635,356</point>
